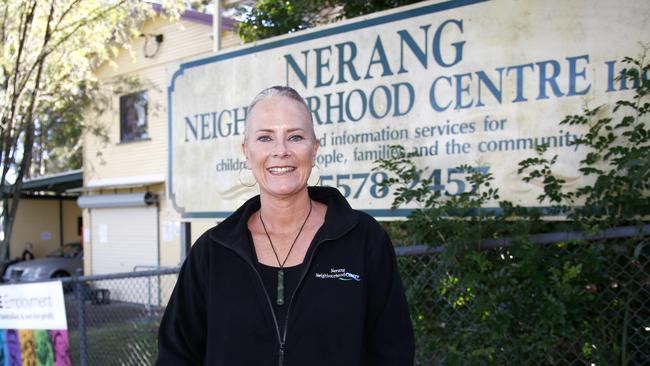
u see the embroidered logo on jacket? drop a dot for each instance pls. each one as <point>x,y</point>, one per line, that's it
<point>339,274</point>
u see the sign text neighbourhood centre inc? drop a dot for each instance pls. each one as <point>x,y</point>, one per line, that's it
<point>458,82</point>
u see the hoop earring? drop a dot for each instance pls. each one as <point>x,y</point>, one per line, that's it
<point>243,182</point>
<point>312,173</point>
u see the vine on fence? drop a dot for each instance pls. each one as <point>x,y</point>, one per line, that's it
<point>524,303</point>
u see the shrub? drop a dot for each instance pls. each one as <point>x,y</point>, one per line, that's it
<point>521,302</point>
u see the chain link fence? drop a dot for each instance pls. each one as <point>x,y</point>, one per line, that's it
<point>607,316</point>
<point>113,319</point>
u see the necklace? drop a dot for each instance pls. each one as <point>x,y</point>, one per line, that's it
<point>280,290</point>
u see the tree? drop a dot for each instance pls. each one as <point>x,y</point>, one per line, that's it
<point>58,129</point>
<point>47,54</point>
<point>270,18</point>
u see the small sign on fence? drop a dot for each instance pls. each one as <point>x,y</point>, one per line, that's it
<point>33,325</point>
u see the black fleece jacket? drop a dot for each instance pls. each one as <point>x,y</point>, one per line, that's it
<point>349,308</point>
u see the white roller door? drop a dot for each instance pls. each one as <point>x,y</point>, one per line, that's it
<point>125,239</point>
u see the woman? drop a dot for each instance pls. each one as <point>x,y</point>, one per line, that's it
<point>294,277</point>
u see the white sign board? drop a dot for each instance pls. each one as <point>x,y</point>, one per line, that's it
<point>86,235</point>
<point>167,230</point>
<point>103,233</point>
<point>457,82</point>
<point>32,306</point>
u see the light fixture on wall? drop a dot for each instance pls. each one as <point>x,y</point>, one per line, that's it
<point>150,50</point>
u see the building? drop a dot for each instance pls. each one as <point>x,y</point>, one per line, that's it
<point>127,224</point>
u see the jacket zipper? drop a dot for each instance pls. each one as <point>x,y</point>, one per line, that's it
<point>304,274</point>
<point>275,319</point>
<point>281,355</point>
<point>282,338</point>
<point>268,300</point>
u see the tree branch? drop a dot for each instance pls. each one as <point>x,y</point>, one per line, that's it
<point>28,144</point>
<point>24,26</point>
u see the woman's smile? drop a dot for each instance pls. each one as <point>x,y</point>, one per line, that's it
<point>281,170</point>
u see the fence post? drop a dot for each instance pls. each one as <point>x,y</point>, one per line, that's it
<point>81,315</point>
<point>149,310</point>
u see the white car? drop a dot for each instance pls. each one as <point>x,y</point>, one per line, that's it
<point>62,262</point>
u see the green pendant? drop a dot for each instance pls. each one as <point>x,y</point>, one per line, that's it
<point>280,298</point>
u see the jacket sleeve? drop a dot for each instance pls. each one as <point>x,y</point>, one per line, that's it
<point>389,330</point>
<point>182,332</point>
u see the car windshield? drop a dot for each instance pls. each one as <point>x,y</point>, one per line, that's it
<point>66,251</point>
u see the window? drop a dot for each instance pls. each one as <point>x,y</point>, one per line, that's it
<point>133,116</point>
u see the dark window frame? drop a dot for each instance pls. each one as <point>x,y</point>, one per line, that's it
<point>134,111</point>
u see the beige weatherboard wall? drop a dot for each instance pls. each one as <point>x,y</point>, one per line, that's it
<point>458,82</point>
<point>38,222</point>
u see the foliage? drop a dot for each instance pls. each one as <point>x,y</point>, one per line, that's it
<point>47,54</point>
<point>57,145</point>
<point>275,17</point>
<point>199,5</point>
<point>515,303</point>
<point>618,159</point>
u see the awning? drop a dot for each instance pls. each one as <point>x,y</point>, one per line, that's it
<point>124,182</point>
<point>51,186</point>
<point>117,200</point>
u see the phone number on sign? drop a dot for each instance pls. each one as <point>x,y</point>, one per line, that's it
<point>353,185</point>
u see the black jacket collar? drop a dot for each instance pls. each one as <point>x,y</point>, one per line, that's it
<point>340,218</point>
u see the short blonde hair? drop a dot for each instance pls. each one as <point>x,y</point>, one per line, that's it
<point>282,91</point>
